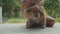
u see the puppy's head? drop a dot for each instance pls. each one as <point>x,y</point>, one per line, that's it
<point>34,14</point>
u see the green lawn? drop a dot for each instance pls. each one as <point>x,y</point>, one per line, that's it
<point>23,20</point>
<point>57,19</point>
<point>17,20</point>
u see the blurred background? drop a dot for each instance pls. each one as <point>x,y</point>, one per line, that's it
<point>12,10</point>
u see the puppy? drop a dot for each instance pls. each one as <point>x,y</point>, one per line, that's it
<point>36,16</point>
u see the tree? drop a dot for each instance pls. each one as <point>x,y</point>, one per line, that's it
<point>51,6</point>
<point>9,6</point>
<point>1,3</point>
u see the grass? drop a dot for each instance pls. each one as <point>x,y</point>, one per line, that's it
<point>57,19</point>
<point>16,20</point>
<point>23,20</point>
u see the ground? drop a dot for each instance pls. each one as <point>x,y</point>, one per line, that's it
<point>21,29</point>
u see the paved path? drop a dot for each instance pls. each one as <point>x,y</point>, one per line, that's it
<point>21,29</point>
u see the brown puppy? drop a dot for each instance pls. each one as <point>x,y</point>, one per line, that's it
<point>29,3</point>
<point>36,16</point>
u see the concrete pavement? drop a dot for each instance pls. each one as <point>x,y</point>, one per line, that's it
<point>21,29</point>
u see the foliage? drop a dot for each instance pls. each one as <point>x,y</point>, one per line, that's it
<point>0,2</point>
<point>11,8</point>
<point>53,7</point>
